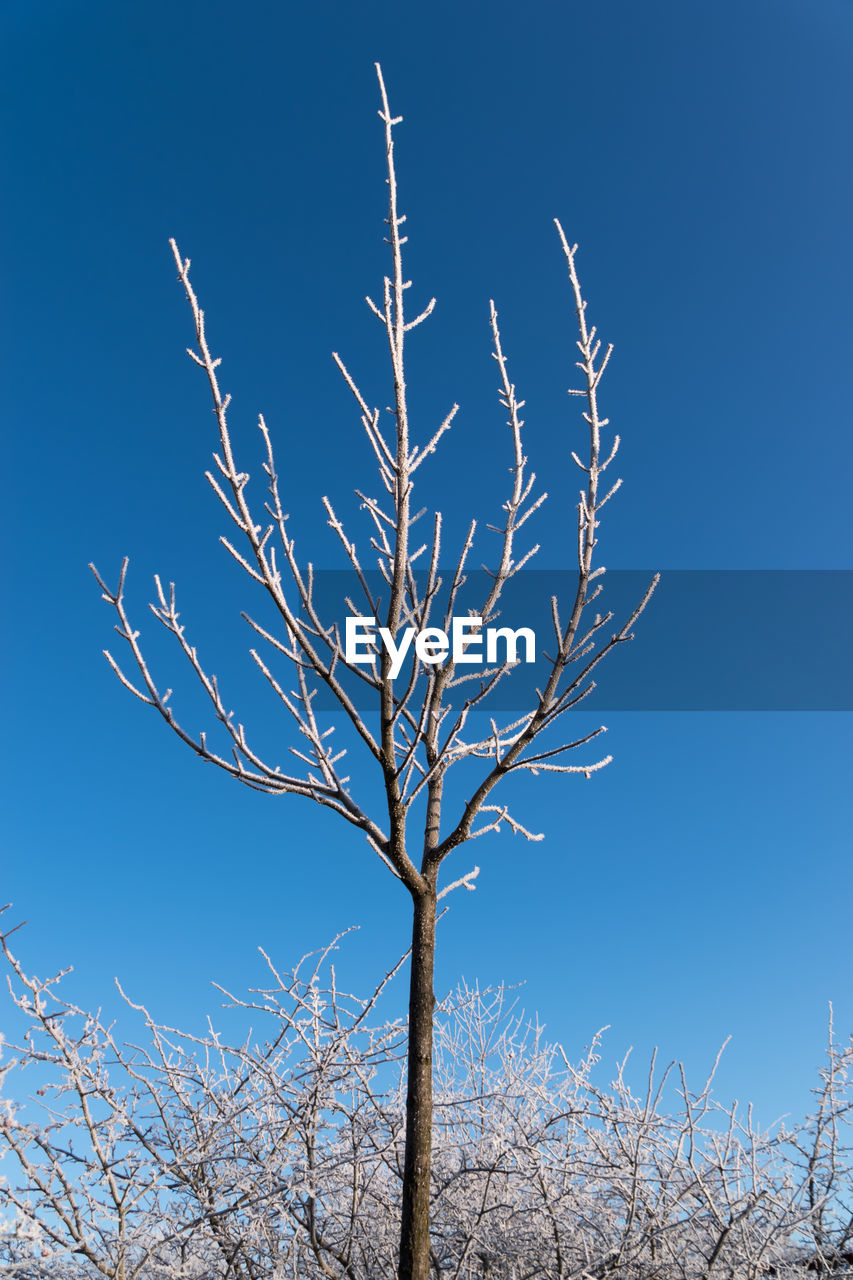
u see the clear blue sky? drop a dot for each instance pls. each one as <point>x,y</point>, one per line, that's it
<point>701,886</point>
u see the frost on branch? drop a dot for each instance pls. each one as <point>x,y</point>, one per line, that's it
<point>424,723</point>
<point>279,1153</point>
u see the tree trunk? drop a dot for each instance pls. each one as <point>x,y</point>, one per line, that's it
<point>414,1227</point>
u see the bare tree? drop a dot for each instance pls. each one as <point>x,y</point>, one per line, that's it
<point>824,1147</point>
<point>423,723</point>
<point>279,1156</point>
<point>185,1155</point>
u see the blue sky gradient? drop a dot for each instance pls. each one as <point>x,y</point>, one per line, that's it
<point>701,885</point>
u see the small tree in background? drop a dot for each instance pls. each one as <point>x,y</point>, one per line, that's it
<point>419,729</point>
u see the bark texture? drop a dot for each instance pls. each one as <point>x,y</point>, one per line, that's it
<point>414,1233</point>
